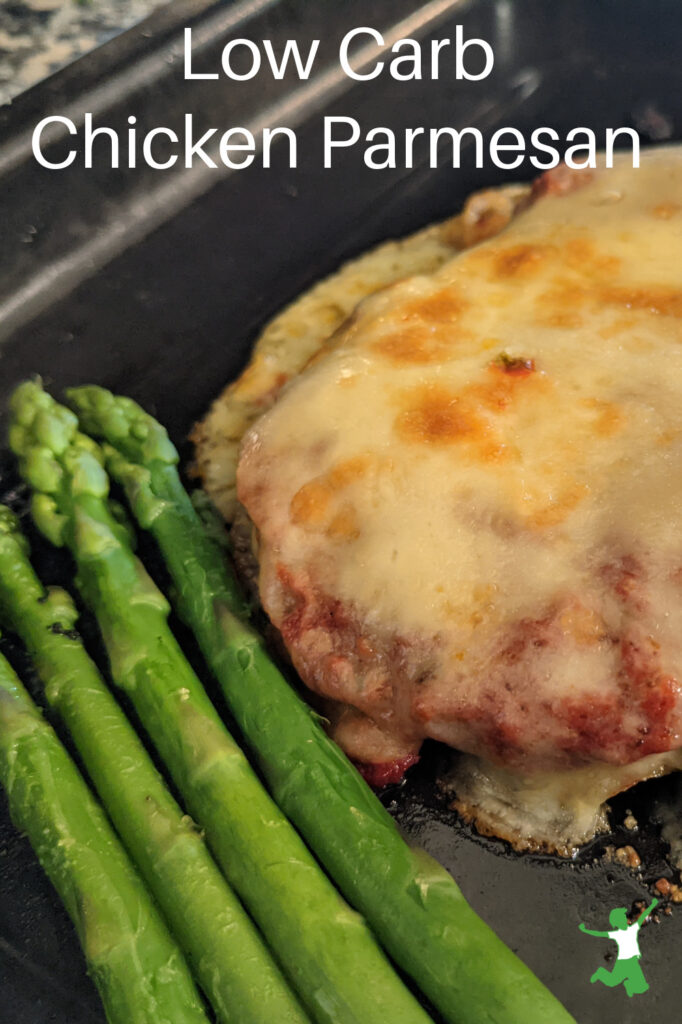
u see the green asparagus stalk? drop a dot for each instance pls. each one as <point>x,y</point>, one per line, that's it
<point>223,948</point>
<point>139,971</point>
<point>326,949</point>
<point>411,902</point>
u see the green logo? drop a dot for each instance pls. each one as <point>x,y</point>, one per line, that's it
<point>626,970</point>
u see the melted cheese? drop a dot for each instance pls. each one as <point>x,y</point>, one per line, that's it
<point>463,456</point>
<point>479,446</point>
<point>554,812</point>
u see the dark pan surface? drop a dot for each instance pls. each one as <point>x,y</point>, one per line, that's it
<point>156,285</point>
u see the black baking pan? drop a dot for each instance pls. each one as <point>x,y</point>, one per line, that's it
<point>155,284</point>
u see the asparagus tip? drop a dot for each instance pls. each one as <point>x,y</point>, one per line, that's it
<point>123,423</point>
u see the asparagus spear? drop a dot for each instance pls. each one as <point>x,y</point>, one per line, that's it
<point>326,948</point>
<point>224,949</point>
<point>411,902</point>
<point>139,971</point>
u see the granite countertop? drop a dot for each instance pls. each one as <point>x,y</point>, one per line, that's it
<point>38,37</point>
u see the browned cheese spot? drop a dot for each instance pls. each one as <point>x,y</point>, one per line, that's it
<point>660,300</point>
<point>318,506</point>
<point>309,506</point>
<point>608,417</point>
<point>568,495</point>
<point>428,331</point>
<point>583,256</point>
<point>418,346</point>
<point>433,414</point>
<point>442,307</point>
<point>344,525</point>
<point>665,211</point>
<point>520,260</point>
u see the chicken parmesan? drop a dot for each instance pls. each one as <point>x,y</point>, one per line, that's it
<point>466,507</point>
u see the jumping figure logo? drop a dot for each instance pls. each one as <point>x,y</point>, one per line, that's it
<point>626,970</point>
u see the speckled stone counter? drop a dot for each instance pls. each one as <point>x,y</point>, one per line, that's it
<point>37,37</point>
